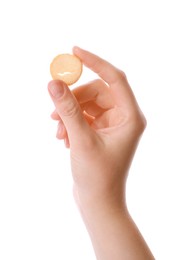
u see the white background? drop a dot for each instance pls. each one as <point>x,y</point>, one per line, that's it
<point>151,41</point>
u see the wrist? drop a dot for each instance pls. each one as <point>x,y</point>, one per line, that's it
<point>100,203</point>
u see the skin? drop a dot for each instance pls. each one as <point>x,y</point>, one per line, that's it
<point>102,123</point>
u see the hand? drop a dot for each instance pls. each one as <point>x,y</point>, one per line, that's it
<point>102,123</point>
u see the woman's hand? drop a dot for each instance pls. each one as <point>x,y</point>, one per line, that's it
<point>101,123</point>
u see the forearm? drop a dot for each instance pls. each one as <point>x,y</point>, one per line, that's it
<point>113,233</point>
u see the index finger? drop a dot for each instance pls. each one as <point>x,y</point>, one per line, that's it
<point>114,77</point>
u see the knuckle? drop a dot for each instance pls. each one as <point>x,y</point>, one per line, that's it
<point>98,82</point>
<point>139,123</point>
<point>121,75</point>
<point>96,65</point>
<point>70,110</point>
<point>142,123</point>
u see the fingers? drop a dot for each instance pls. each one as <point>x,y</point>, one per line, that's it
<point>61,131</point>
<point>62,134</point>
<point>104,69</point>
<point>92,109</point>
<point>55,115</point>
<point>93,100</point>
<point>115,78</point>
<point>95,91</point>
<point>70,113</point>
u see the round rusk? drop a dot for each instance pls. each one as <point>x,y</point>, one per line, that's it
<point>66,67</point>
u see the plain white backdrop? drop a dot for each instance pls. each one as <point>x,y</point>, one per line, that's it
<point>151,41</point>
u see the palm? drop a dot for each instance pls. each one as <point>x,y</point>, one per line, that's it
<point>98,105</point>
<point>109,118</point>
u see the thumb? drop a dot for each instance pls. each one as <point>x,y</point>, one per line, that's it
<point>70,113</point>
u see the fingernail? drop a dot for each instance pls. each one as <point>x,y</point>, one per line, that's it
<point>76,49</point>
<point>56,89</point>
